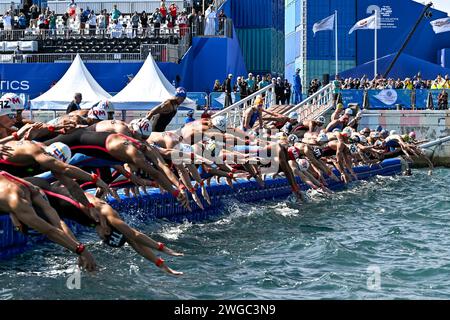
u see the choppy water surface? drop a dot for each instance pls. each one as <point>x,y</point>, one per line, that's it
<point>329,248</point>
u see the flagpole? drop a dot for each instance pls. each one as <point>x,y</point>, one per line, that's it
<point>376,45</point>
<point>336,40</point>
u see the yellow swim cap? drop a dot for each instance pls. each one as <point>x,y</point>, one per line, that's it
<point>340,106</point>
<point>258,101</point>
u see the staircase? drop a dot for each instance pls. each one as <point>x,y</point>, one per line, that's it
<point>234,113</point>
<point>314,106</point>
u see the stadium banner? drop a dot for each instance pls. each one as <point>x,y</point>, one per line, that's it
<point>422,98</point>
<point>200,98</point>
<point>352,96</point>
<point>34,79</point>
<point>217,99</point>
<point>388,99</point>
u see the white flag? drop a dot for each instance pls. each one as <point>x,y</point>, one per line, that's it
<point>441,25</point>
<point>367,23</point>
<point>323,25</point>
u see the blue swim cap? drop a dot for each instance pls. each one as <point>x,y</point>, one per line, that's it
<point>180,92</point>
<point>379,128</point>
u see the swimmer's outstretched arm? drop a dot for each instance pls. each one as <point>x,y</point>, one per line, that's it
<point>142,244</point>
<point>23,211</point>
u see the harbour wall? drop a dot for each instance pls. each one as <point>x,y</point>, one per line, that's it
<point>428,124</point>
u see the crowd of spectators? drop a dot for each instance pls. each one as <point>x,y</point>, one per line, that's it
<point>247,86</point>
<point>408,83</point>
<point>166,16</point>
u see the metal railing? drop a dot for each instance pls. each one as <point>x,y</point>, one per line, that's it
<point>316,105</point>
<point>75,32</point>
<point>149,6</point>
<point>161,53</point>
<point>234,113</point>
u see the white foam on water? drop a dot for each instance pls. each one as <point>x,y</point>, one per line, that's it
<point>174,232</point>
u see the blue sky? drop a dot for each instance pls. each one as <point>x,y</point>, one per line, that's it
<point>443,5</point>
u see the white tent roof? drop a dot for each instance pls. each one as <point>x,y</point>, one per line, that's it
<point>147,89</point>
<point>76,79</point>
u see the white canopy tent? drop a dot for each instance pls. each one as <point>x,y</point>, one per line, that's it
<point>148,89</point>
<point>76,79</point>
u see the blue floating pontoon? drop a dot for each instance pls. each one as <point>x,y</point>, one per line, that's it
<point>157,206</point>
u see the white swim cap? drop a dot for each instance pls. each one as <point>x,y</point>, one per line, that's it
<point>293,115</point>
<point>98,113</point>
<point>393,132</point>
<point>321,119</point>
<point>59,151</point>
<point>322,137</point>
<point>106,105</point>
<point>362,139</point>
<point>211,145</point>
<point>186,148</point>
<point>349,111</point>
<point>220,123</point>
<point>142,126</point>
<point>293,139</point>
<point>10,103</point>
<point>353,148</point>
<point>303,164</point>
<point>347,131</point>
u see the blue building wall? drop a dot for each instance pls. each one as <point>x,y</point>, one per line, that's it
<point>260,28</point>
<point>260,14</point>
<point>397,17</point>
<point>321,46</point>
<point>401,15</point>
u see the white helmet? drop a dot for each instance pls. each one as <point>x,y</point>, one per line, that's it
<point>142,126</point>
<point>322,137</point>
<point>349,111</point>
<point>220,123</point>
<point>293,139</point>
<point>321,119</point>
<point>10,103</point>
<point>303,164</point>
<point>293,115</point>
<point>393,133</point>
<point>97,113</point>
<point>59,151</point>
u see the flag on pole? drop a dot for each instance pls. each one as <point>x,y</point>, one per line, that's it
<point>325,24</point>
<point>441,25</point>
<point>367,23</point>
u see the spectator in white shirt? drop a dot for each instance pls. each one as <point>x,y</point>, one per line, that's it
<point>7,21</point>
<point>116,29</point>
<point>92,20</point>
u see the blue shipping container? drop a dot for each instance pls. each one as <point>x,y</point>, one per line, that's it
<point>257,14</point>
<point>263,50</point>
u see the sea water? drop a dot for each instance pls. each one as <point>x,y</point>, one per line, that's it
<point>388,238</point>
